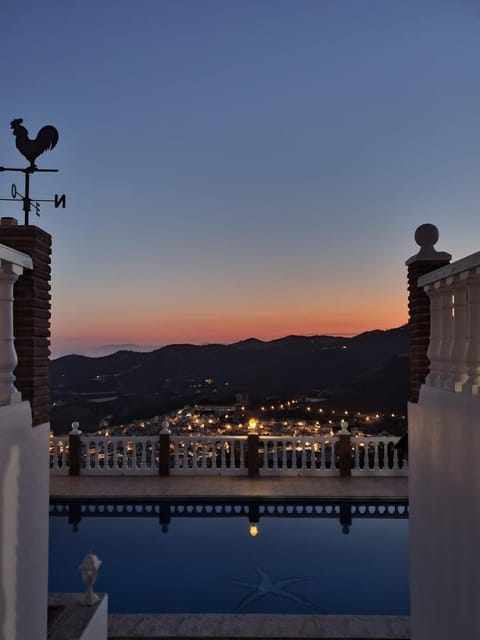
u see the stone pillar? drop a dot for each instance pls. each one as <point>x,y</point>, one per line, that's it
<point>164,450</point>
<point>252,455</point>
<point>74,450</point>
<point>426,260</point>
<point>31,312</point>
<point>344,450</point>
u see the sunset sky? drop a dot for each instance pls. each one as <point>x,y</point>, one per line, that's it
<point>239,168</point>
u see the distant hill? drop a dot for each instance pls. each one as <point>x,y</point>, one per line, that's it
<point>129,384</point>
<point>108,349</point>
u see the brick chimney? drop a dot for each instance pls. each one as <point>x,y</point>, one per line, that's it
<point>31,309</point>
<point>426,260</point>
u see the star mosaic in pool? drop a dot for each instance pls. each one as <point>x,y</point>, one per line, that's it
<point>266,586</point>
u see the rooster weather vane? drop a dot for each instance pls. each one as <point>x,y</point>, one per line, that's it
<point>46,140</point>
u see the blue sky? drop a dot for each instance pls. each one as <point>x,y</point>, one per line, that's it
<point>238,168</point>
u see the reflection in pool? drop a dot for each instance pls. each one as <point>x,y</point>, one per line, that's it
<point>218,556</point>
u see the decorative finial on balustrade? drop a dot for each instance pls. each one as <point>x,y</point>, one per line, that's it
<point>89,571</point>
<point>426,236</point>
<point>75,429</point>
<point>344,428</point>
<point>165,427</point>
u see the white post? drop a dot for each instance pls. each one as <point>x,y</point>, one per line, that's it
<point>458,350</point>
<point>433,351</point>
<point>472,384</point>
<point>8,356</point>
<point>12,264</point>
<point>446,312</point>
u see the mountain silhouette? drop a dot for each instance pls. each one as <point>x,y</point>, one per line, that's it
<point>176,374</point>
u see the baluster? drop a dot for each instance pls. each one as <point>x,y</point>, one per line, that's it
<point>271,454</point>
<point>195,464</point>
<point>361,450</point>
<point>472,384</point>
<point>394,457</point>
<point>447,334</point>
<point>115,456</point>
<point>220,455</point>
<point>53,454</point>
<point>96,459</point>
<point>433,352</point>
<point>355,454</point>
<point>376,465</point>
<point>279,454</point>
<point>176,454</point>
<point>9,273</point>
<point>458,351</point>
<point>303,459</point>
<point>62,455</point>
<point>131,454</point>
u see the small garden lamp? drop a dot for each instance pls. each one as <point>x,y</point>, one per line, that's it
<point>89,571</point>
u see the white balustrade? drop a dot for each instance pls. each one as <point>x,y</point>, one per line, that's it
<point>297,456</point>
<point>118,455</point>
<point>12,264</point>
<point>226,455</point>
<point>208,455</point>
<point>454,349</point>
<point>59,447</point>
<point>377,456</point>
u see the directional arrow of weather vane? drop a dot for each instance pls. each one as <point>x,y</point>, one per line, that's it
<point>46,140</point>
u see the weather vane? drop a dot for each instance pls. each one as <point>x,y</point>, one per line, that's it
<point>46,140</point>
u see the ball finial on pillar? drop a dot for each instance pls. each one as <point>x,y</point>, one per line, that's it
<point>426,236</point>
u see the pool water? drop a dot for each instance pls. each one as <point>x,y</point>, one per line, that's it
<point>211,563</point>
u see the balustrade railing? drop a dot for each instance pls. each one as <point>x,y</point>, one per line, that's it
<point>203,455</point>
<point>377,456</point>
<point>59,455</point>
<point>289,455</point>
<point>454,348</point>
<point>117,455</point>
<point>227,455</point>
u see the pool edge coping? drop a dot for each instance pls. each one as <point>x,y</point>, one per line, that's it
<point>232,626</point>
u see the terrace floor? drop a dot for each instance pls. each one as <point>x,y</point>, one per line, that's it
<point>128,487</point>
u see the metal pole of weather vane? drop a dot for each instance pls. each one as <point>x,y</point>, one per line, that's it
<point>46,140</point>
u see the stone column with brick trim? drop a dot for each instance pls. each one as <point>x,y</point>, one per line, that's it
<point>426,260</point>
<point>32,316</point>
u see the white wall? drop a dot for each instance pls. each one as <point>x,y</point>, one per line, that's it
<point>444,524</point>
<point>98,626</point>
<point>23,524</point>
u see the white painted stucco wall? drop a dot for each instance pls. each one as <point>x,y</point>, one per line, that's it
<point>98,626</point>
<point>23,524</point>
<point>444,524</point>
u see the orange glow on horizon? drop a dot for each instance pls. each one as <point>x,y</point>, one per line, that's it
<point>220,330</point>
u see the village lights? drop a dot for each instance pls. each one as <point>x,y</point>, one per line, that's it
<point>89,572</point>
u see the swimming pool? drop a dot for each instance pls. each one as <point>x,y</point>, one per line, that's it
<point>307,557</point>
